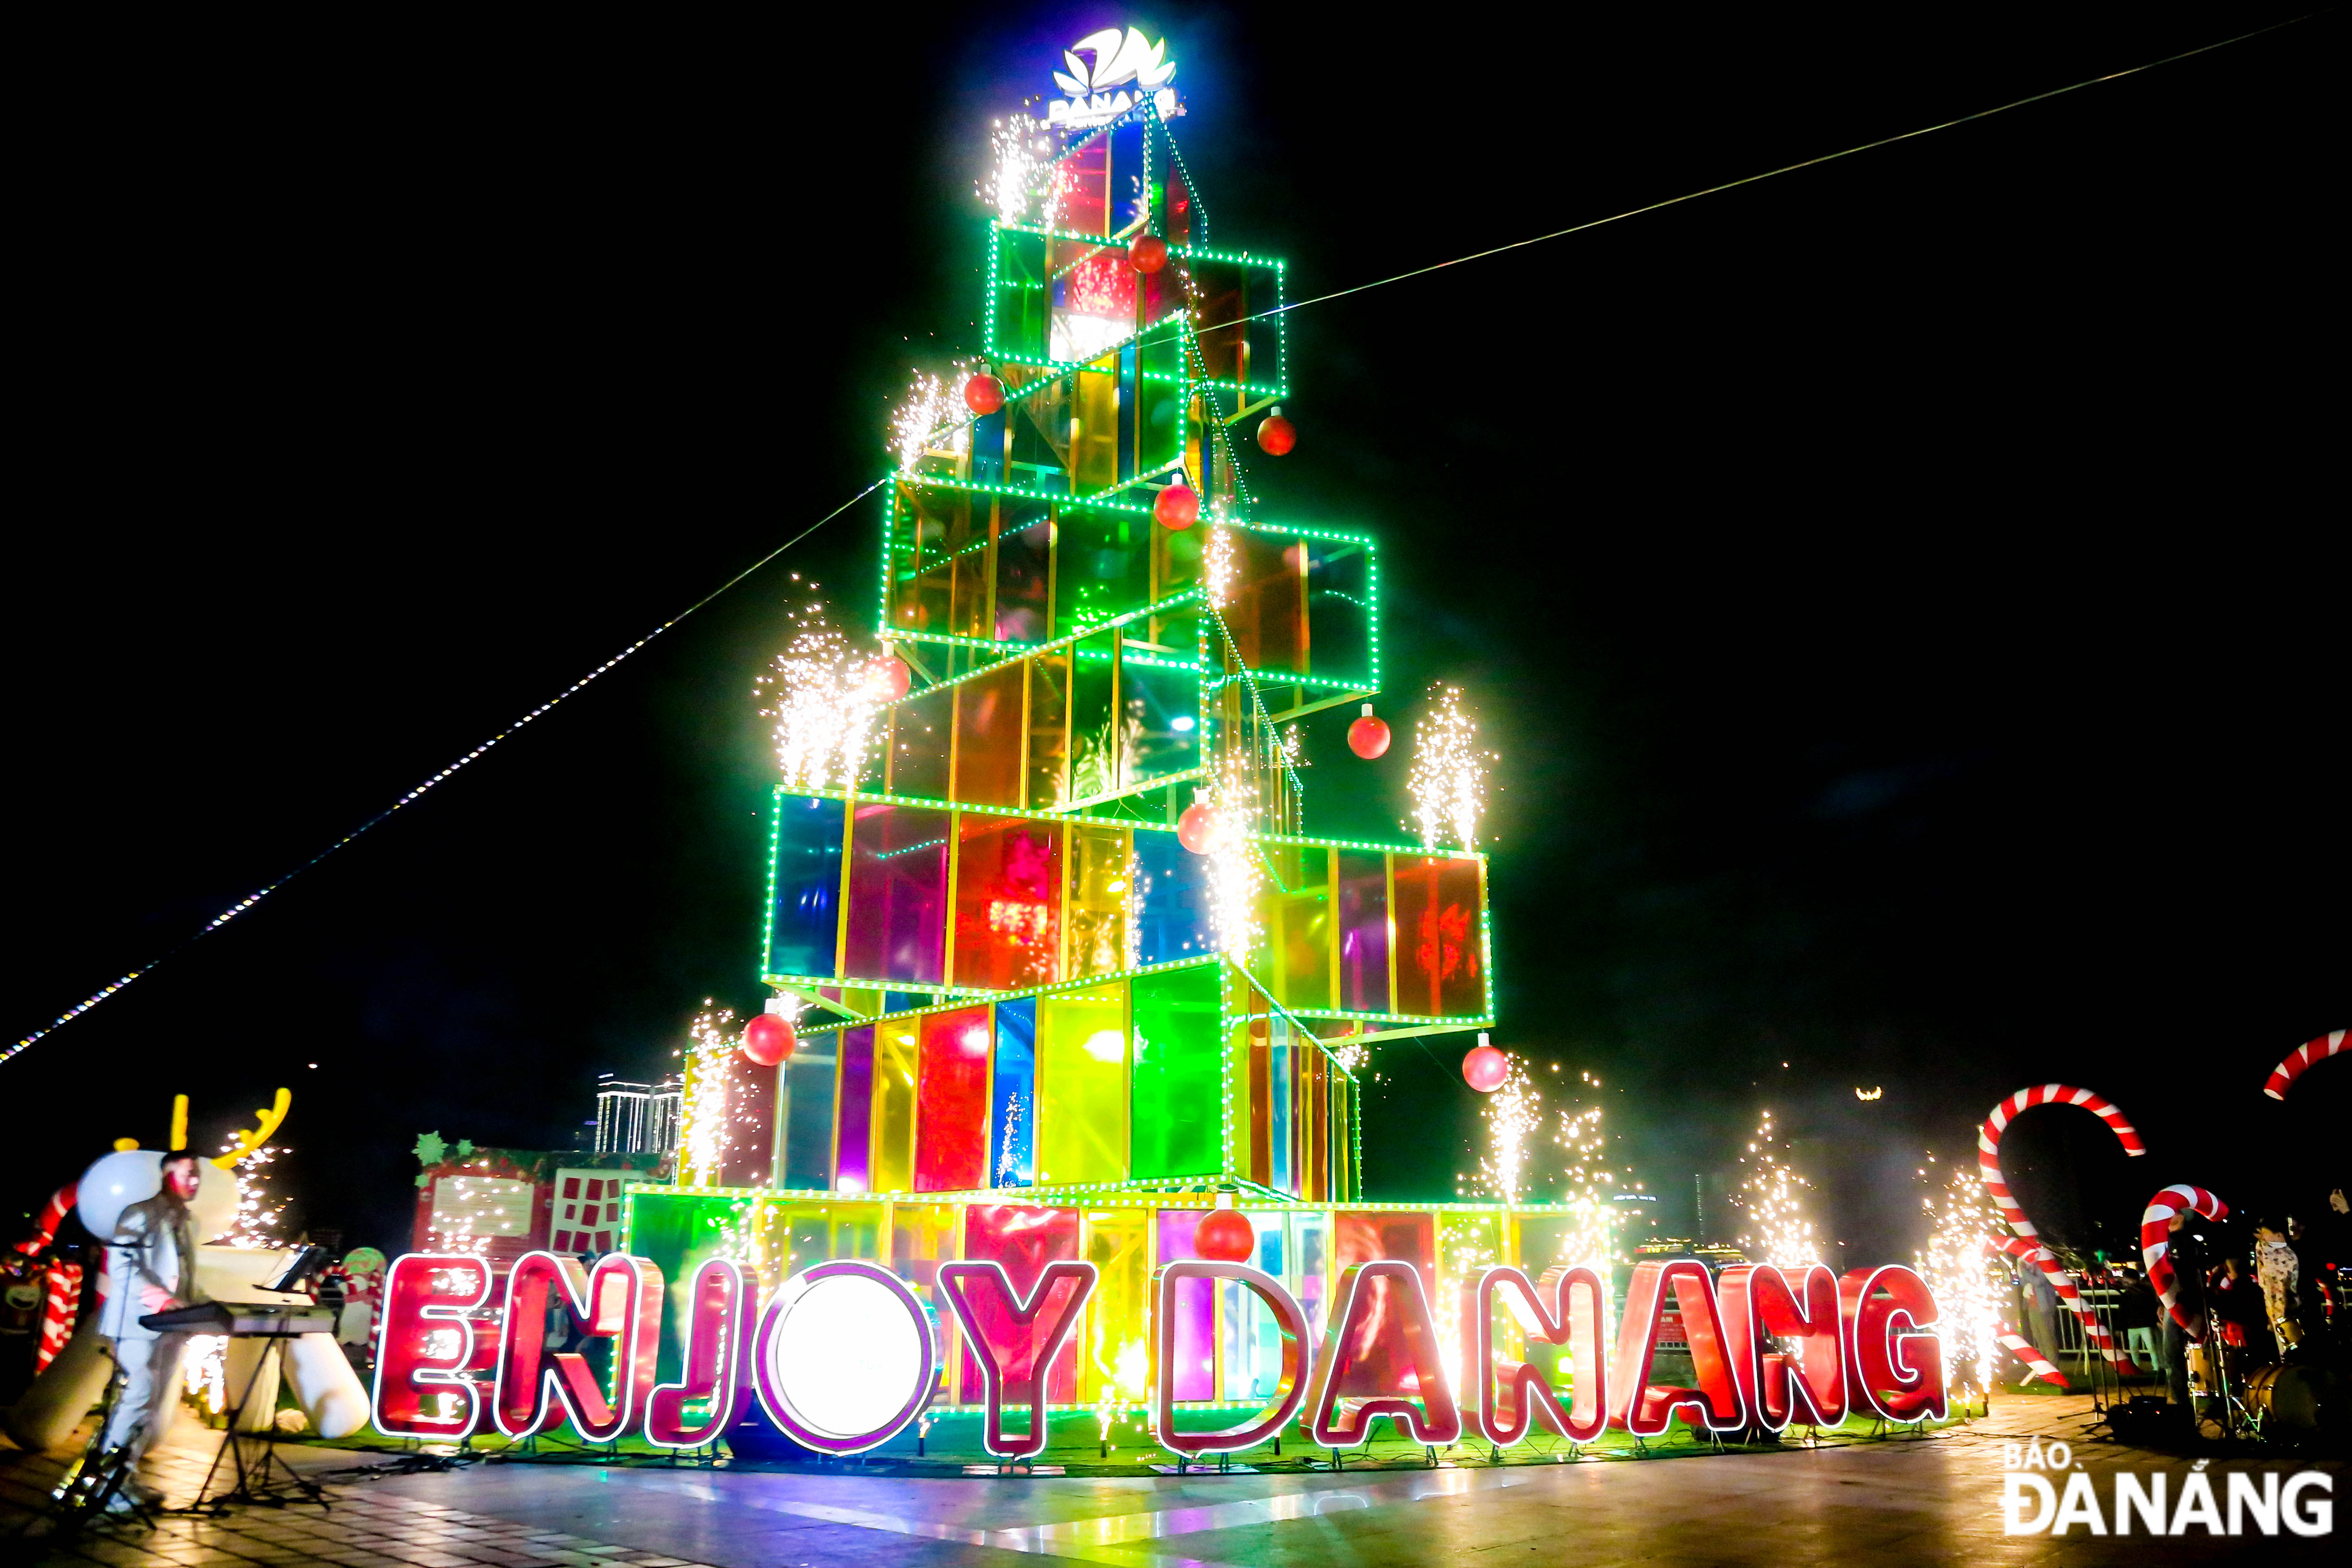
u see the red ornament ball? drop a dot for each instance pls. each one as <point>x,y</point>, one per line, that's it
<point>768,1039</point>
<point>983,395</point>
<point>1368,737</point>
<point>1146,253</point>
<point>1177,508</point>
<point>1276,434</point>
<point>1193,828</point>
<point>1225,1236</point>
<point>894,675</point>
<point>1484,1068</point>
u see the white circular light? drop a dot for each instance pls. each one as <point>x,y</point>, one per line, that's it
<point>846,1357</point>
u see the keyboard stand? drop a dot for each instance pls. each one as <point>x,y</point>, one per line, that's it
<point>254,1456</point>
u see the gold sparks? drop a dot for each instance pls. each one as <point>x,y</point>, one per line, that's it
<point>824,697</point>
<point>1448,781</point>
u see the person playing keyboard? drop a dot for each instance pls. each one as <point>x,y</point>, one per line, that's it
<point>152,1259</point>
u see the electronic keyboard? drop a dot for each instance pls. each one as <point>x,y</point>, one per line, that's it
<point>242,1318</point>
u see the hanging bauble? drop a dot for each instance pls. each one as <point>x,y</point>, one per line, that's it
<point>1368,737</point>
<point>1146,253</point>
<point>892,674</point>
<point>1177,508</point>
<point>1276,434</point>
<point>983,395</point>
<point>1194,828</point>
<point>1225,1236</point>
<point>1484,1068</point>
<point>769,1039</point>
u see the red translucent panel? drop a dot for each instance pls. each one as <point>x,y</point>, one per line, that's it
<point>988,738</point>
<point>1008,922</point>
<point>952,1129</point>
<point>1025,1240</point>
<point>898,894</point>
<point>1440,958</point>
<point>1267,615</point>
<point>1407,1237</point>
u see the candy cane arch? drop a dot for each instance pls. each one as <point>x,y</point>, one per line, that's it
<point>61,1302</point>
<point>2156,1243</point>
<point>2283,1076</point>
<point>1989,1169</point>
<point>2035,1362</point>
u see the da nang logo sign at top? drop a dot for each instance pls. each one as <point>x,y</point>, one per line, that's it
<point>1125,71</point>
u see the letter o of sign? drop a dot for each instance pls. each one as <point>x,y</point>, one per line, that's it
<point>845,1357</point>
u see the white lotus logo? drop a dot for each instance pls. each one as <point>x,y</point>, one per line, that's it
<point>1126,69</point>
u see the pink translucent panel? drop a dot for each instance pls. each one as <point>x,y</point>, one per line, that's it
<point>1439,959</point>
<point>1196,1309</point>
<point>951,1129</point>
<point>749,1157</point>
<point>852,1172</point>
<point>1025,1240</point>
<point>1008,903</point>
<point>1407,1237</point>
<point>1363,932</point>
<point>988,738</point>
<point>898,894</point>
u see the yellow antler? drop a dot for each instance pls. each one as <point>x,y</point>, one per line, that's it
<point>247,1143</point>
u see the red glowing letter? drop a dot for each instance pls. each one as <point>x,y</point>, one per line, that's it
<point>1290,1320</point>
<point>1645,1411</point>
<point>1015,1355</point>
<point>718,1359</point>
<point>620,1300</point>
<point>1889,1313</point>
<point>1382,1317</point>
<point>428,1345</point>
<point>1760,1302</point>
<point>1576,1317</point>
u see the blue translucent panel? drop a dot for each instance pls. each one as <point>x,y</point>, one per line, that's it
<point>1012,1112</point>
<point>804,925</point>
<point>809,1075</point>
<point>1172,899</point>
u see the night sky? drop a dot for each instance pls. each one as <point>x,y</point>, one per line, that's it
<point>1900,593</point>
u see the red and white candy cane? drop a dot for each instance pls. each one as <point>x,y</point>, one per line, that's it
<point>58,1312</point>
<point>61,1205</point>
<point>2156,1243</point>
<point>2035,1362</point>
<point>1989,1169</point>
<point>2283,1076</point>
<point>2094,1331</point>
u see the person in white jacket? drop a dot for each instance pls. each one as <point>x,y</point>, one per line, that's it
<point>152,1259</point>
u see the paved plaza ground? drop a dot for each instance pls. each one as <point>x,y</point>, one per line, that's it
<point>1929,1501</point>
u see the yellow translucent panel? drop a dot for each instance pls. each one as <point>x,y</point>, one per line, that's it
<point>923,1236</point>
<point>1116,1360</point>
<point>1295,905</point>
<point>1048,764</point>
<point>1101,887</point>
<point>1467,1243</point>
<point>1082,1086</point>
<point>894,1108</point>
<point>1094,432</point>
<point>821,1232</point>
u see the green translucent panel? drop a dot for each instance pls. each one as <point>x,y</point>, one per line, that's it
<point>1094,435</point>
<point>1094,717</point>
<point>894,1107</point>
<point>1177,1097</point>
<point>938,564</point>
<point>1102,565</point>
<point>1101,890</point>
<point>1116,1358</point>
<point>918,732</point>
<point>1016,317</point>
<point>1082,1086</point>
<point>1048,767</point>
<point>1296,907</point>
<point>1161,736</point>
<point>821,1232</point>
<point>1466,1244</point>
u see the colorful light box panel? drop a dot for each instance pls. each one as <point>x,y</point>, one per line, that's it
<point>1117,178</point>
<point>727,1120</point>
<point>972,562</point>
<point>887,894</point>
<point>1059,299</point>
<point>1185,1072</point>
<point>988,573</point>
<point>1228,1350</point>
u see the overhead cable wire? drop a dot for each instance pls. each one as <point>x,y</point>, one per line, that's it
<point>246,905</point>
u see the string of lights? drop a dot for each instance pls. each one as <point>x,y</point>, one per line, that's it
<point>248,903</point>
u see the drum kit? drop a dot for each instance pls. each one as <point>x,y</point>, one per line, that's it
<point>2238,1391</point>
